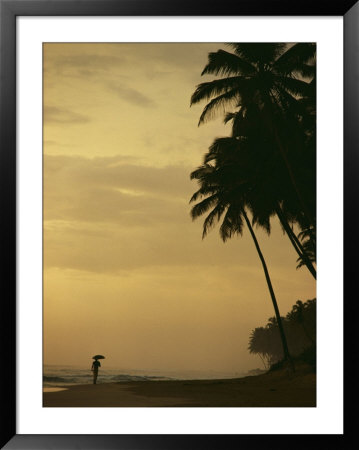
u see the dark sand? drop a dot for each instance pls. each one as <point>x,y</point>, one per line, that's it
<point>276,389</point>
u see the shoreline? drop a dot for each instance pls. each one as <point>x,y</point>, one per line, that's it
<point>273,389</point>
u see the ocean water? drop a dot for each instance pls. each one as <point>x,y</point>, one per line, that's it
<point>62,376</point>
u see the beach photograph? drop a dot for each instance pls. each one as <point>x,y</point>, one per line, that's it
<point>179,225</point>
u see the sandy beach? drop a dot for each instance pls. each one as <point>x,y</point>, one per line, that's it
<point>275,389</point>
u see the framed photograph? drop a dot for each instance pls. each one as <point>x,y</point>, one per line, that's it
<point>165,168</point>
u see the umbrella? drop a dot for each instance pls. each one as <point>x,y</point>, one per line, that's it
<point>98,357</point>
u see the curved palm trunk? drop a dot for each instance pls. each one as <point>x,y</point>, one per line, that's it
<point>271,291</point>
<point>295,242</point>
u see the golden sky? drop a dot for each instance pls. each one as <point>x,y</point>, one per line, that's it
<point>126,273</point>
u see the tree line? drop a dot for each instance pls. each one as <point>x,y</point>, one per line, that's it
<point>300,328</point>
<point>266,168</point>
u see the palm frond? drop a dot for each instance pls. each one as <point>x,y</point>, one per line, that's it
<point>229,116</point>
<point>232,224</point>
<point>221,147</point>
<point>295,56</point>
<point>294,86</point>
<point>213,217</point>
<point>230,97</point>
<point>261,220</point>
<point>264,52</point>
<point>204,191</point>
<point>305,70</point>
<point>226,63</point>
<point>201,171</point>
<point>203,206</point>
<point>289,104</point>
<point>209,89</point>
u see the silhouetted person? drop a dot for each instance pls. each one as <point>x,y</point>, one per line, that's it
<point>95,365</point>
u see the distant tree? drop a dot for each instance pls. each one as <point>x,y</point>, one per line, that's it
<point>300,329</point>
<point>303,314</point>
<point>263,343</point>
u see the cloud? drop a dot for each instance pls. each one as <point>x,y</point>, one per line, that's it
<point>75,175</point>
<point>150,61</point>
<point>53,114</point>
<point>103,197</point>
<point>72,60</point>
<point>131,95</point>
<point>110,214</point>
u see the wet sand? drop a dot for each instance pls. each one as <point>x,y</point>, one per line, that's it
<point>275,389</point>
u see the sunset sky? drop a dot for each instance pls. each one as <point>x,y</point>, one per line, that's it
<point>126,272</point>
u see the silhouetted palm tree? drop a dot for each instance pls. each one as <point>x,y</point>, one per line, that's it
<point>226,195</point>
<point>266,84</point>
<point>267,193</point>
<point>260,345</point>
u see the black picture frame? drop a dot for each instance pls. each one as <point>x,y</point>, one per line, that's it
<point>9,10</point>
